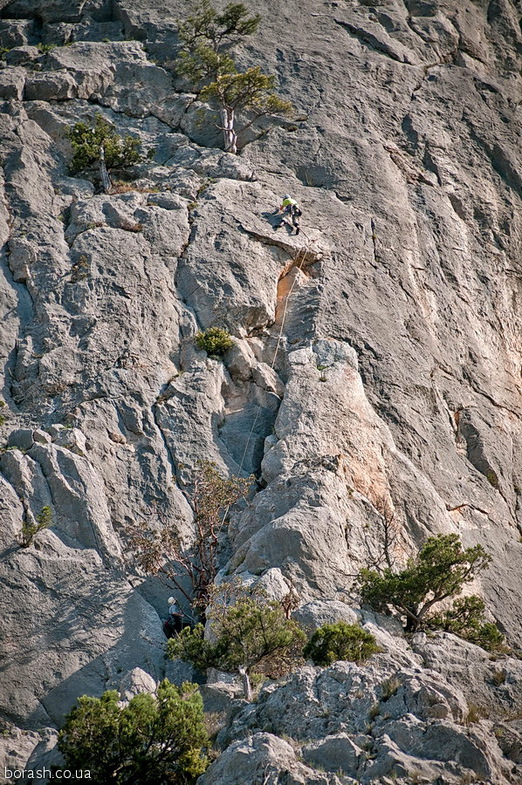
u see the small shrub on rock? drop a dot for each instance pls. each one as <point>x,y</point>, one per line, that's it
<point>250,633</point>
<point>86,143</point>
<point>466,618</point>
<point>31,526</point>
<point>153,740</point>
<point>340,641</point>
<point>214,341</point>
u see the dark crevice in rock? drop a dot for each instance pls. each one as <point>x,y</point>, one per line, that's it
<point>370,40</point>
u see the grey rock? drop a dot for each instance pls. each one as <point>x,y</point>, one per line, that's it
<point>492,685</point>
<point>19,748</point>
<point>135,682</point>
<point>509,737</point>
<point>334,753</point>
<point>389,328</point>
<point>266,378</point>
<point>52,11</point>
<point>22,55</point>
<point>12,83</point>
<point>22,439</point>
<point>272,583</point>
<point>329,352</point>
<point>15,32</point>
<point>50,87</point>
<point>42,437</point>
<point>261,755</point>
<point>408,720</point>
<point>167,201</point>
<point>318,612</point>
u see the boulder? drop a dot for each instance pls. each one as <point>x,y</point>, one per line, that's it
<point>12,82</point>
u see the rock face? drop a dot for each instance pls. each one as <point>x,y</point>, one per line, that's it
<point>375,377</point>
<point>391,718</point>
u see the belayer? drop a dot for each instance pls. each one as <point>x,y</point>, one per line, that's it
<point>290,213</point>
<point>174,623</point>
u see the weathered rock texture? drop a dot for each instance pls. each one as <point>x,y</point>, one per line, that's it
<point>375,376</point>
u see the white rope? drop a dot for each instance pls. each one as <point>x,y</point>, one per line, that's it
<point>303,254</point>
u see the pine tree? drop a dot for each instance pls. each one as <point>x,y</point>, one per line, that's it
<point>439,572</point>
<point>204,59</point>
<point>154,739</point>
<point>248,632</point>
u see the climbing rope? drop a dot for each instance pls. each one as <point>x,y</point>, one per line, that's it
<point>302,256</point>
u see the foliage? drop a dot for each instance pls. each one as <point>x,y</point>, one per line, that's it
<point>45,48</point>
<point>467,618</point>
<point>439,571</point>
<point>247,631</point>
<point>207,36</point>
<point>153,740</point>
<point>87,141</point>
<point>340,641</point>
<point>190,645</point>
<point>252,90</point>
<point>31,527</point>
<point>207,23</point>
<point>80,270</point>
<point>2,417</point>
<point>214,341</point>
<point>162,552</point>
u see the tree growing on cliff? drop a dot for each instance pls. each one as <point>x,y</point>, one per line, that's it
<point>161,552</point>
<point>31,526</point>
<point>154,739</point>
<point>439,572</point>
<point>206,37</point>
<point>248,631</point>
<point>101,146</point>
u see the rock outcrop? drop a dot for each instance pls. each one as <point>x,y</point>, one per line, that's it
<point>375,378</point>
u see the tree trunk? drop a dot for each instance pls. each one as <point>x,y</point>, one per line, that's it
<point>412,623</point>
<point>105,177</point>
<point>229,134</point>
<point>247,687</point>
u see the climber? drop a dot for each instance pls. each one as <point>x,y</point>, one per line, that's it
<point>174,623</point>
<point>290,212</point>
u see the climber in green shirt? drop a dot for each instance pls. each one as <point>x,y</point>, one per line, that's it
<point>290,213</point>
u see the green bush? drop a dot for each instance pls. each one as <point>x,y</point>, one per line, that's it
<point>214,341</point>
<point>153,740</point>
<point>466,618</point>
<point>252,632</point>
<point>45,48</point>
<point>190,645</point>
<point>340,641</point>
<point>86,142</point>
<point>30,527</point>
<point>440,570</point>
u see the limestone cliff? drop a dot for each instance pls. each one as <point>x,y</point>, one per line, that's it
<point>376,370</point>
